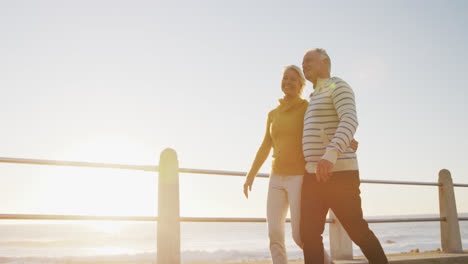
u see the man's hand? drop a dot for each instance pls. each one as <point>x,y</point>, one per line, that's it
<point>324,170</point>
<point>354,145</point>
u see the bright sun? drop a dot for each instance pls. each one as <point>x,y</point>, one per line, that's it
<point>100,191</point>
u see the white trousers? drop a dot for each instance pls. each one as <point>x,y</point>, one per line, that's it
<point>284,192</point>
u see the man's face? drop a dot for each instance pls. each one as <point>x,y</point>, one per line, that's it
<point>312,65</point>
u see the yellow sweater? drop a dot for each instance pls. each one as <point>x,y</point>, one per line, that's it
<point>284,133</point>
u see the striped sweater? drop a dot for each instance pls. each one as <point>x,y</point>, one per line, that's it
<point>330,123</point>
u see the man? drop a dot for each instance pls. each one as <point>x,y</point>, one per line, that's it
<point>332,179</point>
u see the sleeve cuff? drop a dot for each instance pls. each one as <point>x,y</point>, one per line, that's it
<point>331,155</point>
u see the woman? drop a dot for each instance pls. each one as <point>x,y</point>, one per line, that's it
<point>284,133</point>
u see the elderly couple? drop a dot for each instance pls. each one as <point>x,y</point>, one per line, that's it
<point>314,166</point>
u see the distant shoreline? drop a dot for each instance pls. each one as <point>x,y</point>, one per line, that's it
<point>150,261</point>
<point>292,261</point>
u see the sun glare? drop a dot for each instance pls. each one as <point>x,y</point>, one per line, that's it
<point>107,226</point>
<point>100,191</point>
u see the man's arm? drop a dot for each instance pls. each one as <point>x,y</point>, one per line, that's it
<point>344,102</point>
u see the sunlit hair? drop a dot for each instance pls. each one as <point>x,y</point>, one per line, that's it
<point>323,55</point>
<point>301,76</point>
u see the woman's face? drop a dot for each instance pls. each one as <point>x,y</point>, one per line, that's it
<point>291,84</point>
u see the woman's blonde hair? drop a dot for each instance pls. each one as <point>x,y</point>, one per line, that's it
<point>301,76</point>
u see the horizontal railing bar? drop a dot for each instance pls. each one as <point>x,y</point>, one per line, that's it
<point>265,175</point>
<point>184,170</point>
<point>196,219</point>
<point>405,220</point>
<point>79,164</point>
<point>232,220</point>
<point>374,220</point>
<point>220,219</point>
<point>127,218</point>
<point>402,182</point>
<point>218,172</point>
<point>75,217</point>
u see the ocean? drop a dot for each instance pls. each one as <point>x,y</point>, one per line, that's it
<point>61,241</point>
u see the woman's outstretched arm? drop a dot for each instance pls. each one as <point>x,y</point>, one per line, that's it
<point>262,155</point>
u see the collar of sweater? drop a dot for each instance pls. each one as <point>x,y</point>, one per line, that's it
<point>321,83</point>
<point>286,104</point>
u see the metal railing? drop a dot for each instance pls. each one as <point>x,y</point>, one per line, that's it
<point>168,206</point>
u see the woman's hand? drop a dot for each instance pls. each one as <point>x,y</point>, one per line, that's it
<point>354,145</point>
<point>248,186</point>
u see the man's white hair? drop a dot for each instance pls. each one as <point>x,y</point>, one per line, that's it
<point>323,55</point>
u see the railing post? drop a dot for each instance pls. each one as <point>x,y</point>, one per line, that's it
<point>341,246</point>
<point>168,236</point>
<point>449,229</point>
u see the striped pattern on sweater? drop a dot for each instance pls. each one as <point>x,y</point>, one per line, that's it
<point>330,123</point>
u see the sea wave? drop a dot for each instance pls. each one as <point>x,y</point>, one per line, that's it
<point>150,257</point>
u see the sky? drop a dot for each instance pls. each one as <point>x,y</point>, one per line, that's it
<point>120,81</point>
